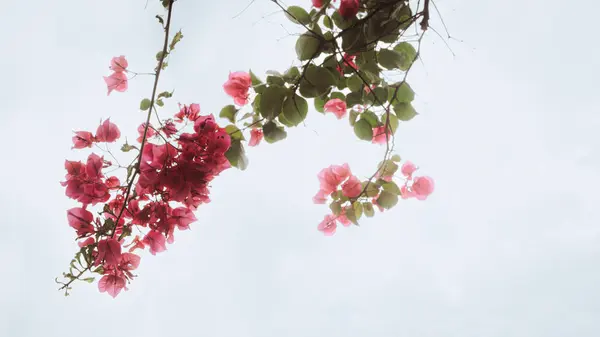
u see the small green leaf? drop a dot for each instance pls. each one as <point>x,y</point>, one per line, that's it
<point>355,83</point>
<point>254,79</point>
<point>391,187</point>
<point>160,55</point>
<point>88,279</point>
<point>275,80</point>
<point>307,47</point>
<point>336,207</point>
<point>339,95</point>
<point>351,215</point>
<point>273,133</point>
<point>327,22</point>
<point>363,130</point>
<point>388,168</point>
<point>358,209</point>
<point>372,189</point>
<point>291,74</point>
<point>295,109</point>
<point>368,209</point>
<point>160,20</point>
<point>271,101</point>
<point>234,132</point>
<point>405,111</point>
<point>145,104</point>
<point>160,102</point>
<point>403,94</point>
<point>237,156</point>
<point>396,158</point>
<point>178,36</point>
<point>407,53</point>
<point>297,15</point>
<point>353,116</point>
<point>390,59</point>
<point>229,112</point>
<point>354,98</point>
<point>320,104</point>
<point>126,147</point>
<point>166,94</point>
<point>370,117</point>
<point>393,123</point>
<point>387,200</point>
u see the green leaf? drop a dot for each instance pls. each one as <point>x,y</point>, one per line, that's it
<point>351,215</point>
<point>145,104</point>
<point>237,156</point>
<point>88,279</point>
<point>387,200</point>
<point>404,93</point>
<point>178,36</point>
<point>393,123</point>
<point>254,79</point>
<point>372,189</point>
<point>391,187</point>
<point>353,116</point>
<point>405,111</point>
<point>275,80</point>
<point>336,207</point>
<point>368,209</point>
<point>273,133</point>
<point>126,147</point>
<point>370,117</point>
<point>354,98</point>
<point>319,103</point>
<point>363,130</point>
<point>327,22</point>
<point>166,94</point>
<point>320,78</point>
<point>160,20</point>
<point>339,95</point>
<point>358,210</point>
<point>229,112</point>
<point>378,96</point>
<point>291,75</point>
<point>271,101</point>
<point>407,53</point>
<point>307,47</point>
<point>396,158</point>
<point>297,15</point>
<point>390,59</point>
<point>388,168</point>
<point>340,22</point>
<point>234,132</point>
<point>355,83</point>
<point>160,102</point>
<point>295,109</point>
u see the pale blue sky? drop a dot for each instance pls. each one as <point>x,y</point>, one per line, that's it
<point>507,246</point>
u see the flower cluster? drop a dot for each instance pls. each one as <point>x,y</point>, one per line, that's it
<point>118,79</point>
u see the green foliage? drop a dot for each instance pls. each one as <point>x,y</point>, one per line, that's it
<point>404,111</point>
<point>308,47</point>
<point>273,133</point>
<point>297,15</point>
<point>295,109</point>
<point>234,132</point>
<point>387,200</point>
<point>229,112</point>
<point>391,187</point>
<point>145,104</point>
<point>368,209</point>
<point>271,101</point>
<point>408,54</point>
<point>363,130</point>
<point>237,155</point>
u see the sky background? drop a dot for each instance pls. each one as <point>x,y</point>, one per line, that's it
<point>508,245</point>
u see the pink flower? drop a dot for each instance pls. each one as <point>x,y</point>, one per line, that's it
<point>348,8</point>
<point>107,132</point>
<point>119,64</point>
<point>237,86</point>
<point>82,139</point>
<point>85,242</point>
<point>112,182</point>
<point>182,217</point>
<point>352,188</point>
<point>317,3</point>
<point>81,220</point>
<point>149,134</point>
<point>347,61</point>
<point>109,251</point>
<point>116,81</point>
<point>156,241</point>
<point>320,197</point>
<point>256,135</point>
<point>328,225</point>
<point>407,169</point>
<point>111,284</point>
<point>379,136</point>
<point>422,187</point>
<point>169,129</point>
<point>336,106</point>
<point>405,193</point>
<point>343,219</point>
<point>331,177</point>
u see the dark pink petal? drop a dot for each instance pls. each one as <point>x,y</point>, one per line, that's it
<point>111,284</point>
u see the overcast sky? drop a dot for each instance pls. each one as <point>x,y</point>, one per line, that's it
<point>507,246</point>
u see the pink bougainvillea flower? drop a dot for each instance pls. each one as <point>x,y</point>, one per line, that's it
<point>81,220</point>
<point>119,64</point>
<point>343,219</point>
<point>336,106</point>
<point>149,134</point>
<point>368,89</point>
<point>405,193</point>
<point>85,242</point>
<point>347,62</point>
<point>422,187</point>
<point>107,132</point>
<point>129,261</point>
<point>169,129</point>
<point>317,3</point>
<point>116,81</point>
<point>328,225</point>
<point>256,136</point>
<point>191,112</point>
<point>182,217</point>
<point>155,241</point>
<point>109,251</point>
<point>352,188</point>
<point>348,8</point>
<point>330,178</point>
<point>379,135</point>
<point>112,182</point>
<point>237,86</point>
<point>111,284</point>
<point>320,197</point>
<point>82,139</point>
<point>407,169</point>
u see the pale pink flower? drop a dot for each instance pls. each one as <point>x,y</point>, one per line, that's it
<point>116,81</point>
<point>328,225</point>
<point>336,106</point>
<point>237,86</point>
